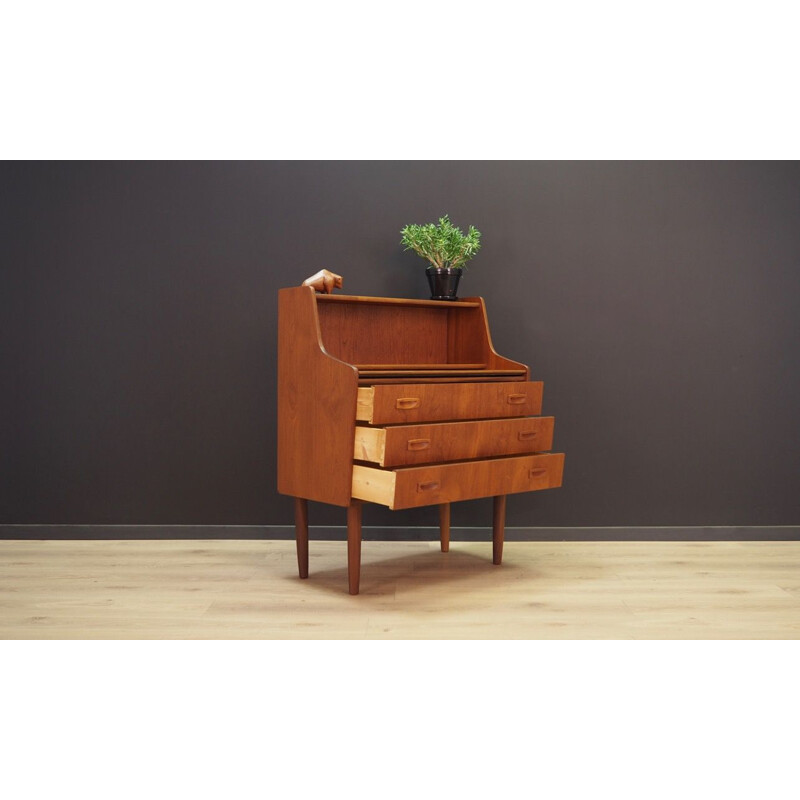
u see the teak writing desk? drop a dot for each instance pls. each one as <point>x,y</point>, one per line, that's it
<point>404,403</point>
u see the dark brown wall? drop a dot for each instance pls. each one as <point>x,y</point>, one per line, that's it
<point>659,303</point>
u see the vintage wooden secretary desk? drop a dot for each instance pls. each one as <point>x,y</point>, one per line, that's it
<point>403,403</point>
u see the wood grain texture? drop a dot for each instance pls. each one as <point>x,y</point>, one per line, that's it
<point>369,444</point>
<point>467,338</point>
<point>411,487</point>
<point>354,546</point>
<point>498,528</point>
<point>399,301</point>
<point>373,485</point>
<point>467,480</point>
<point>463,378</point>
<point>453,441</point>
<point>301,534</point>
<point>392,404</point>
<point>316,406</point>
<point>392,332</point>
<point>365,369</point>
<point>469,333</point>
<point>444,527</point>
<point>454,371</point>
<point>385,334</point>
<point>229,589</point>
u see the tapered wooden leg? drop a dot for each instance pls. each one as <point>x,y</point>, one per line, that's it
<point>301,534</point>
<point>444,526</point>
<point>354,545</point>
<point>498,528</point>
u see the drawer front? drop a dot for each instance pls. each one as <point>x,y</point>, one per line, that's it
<point>401,445</point>
<point>431,402</point>
<point>410,487</point>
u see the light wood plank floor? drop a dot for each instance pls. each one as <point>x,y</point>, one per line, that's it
<point>409,590</point>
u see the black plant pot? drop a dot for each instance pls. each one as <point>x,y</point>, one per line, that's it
<point>443,282</point>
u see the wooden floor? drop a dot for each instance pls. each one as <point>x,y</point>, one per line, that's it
<point>409,590</point>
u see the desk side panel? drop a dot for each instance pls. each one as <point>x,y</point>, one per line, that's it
<point>316,406</point>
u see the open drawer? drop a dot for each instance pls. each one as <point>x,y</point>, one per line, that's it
<point>408,487</point>
<point>399,445</point>
<point>436,402</point>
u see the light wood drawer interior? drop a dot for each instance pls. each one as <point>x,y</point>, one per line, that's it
<point>408,487</point>
<point>430,402</point>
<point>400,445</point>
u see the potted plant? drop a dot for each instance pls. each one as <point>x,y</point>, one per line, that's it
<point>447,251</point>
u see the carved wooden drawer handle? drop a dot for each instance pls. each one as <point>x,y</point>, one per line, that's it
<point>419,444</point>
<point>523,436</point>
<point>427,487</point>
<point>536,472</point>
<point>516,399</point>
<point>407,402</point>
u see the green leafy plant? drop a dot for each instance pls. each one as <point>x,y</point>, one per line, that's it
<point>442,245</point>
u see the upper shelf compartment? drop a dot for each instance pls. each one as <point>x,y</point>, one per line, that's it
<point>393,338</point>
<point>394,332</point>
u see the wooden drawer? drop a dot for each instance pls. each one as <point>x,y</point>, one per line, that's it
<point>408,487</point>
<point>435,402</point>
<point>452,441</point>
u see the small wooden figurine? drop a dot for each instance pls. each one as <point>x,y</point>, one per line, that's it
<point>324,281</point>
